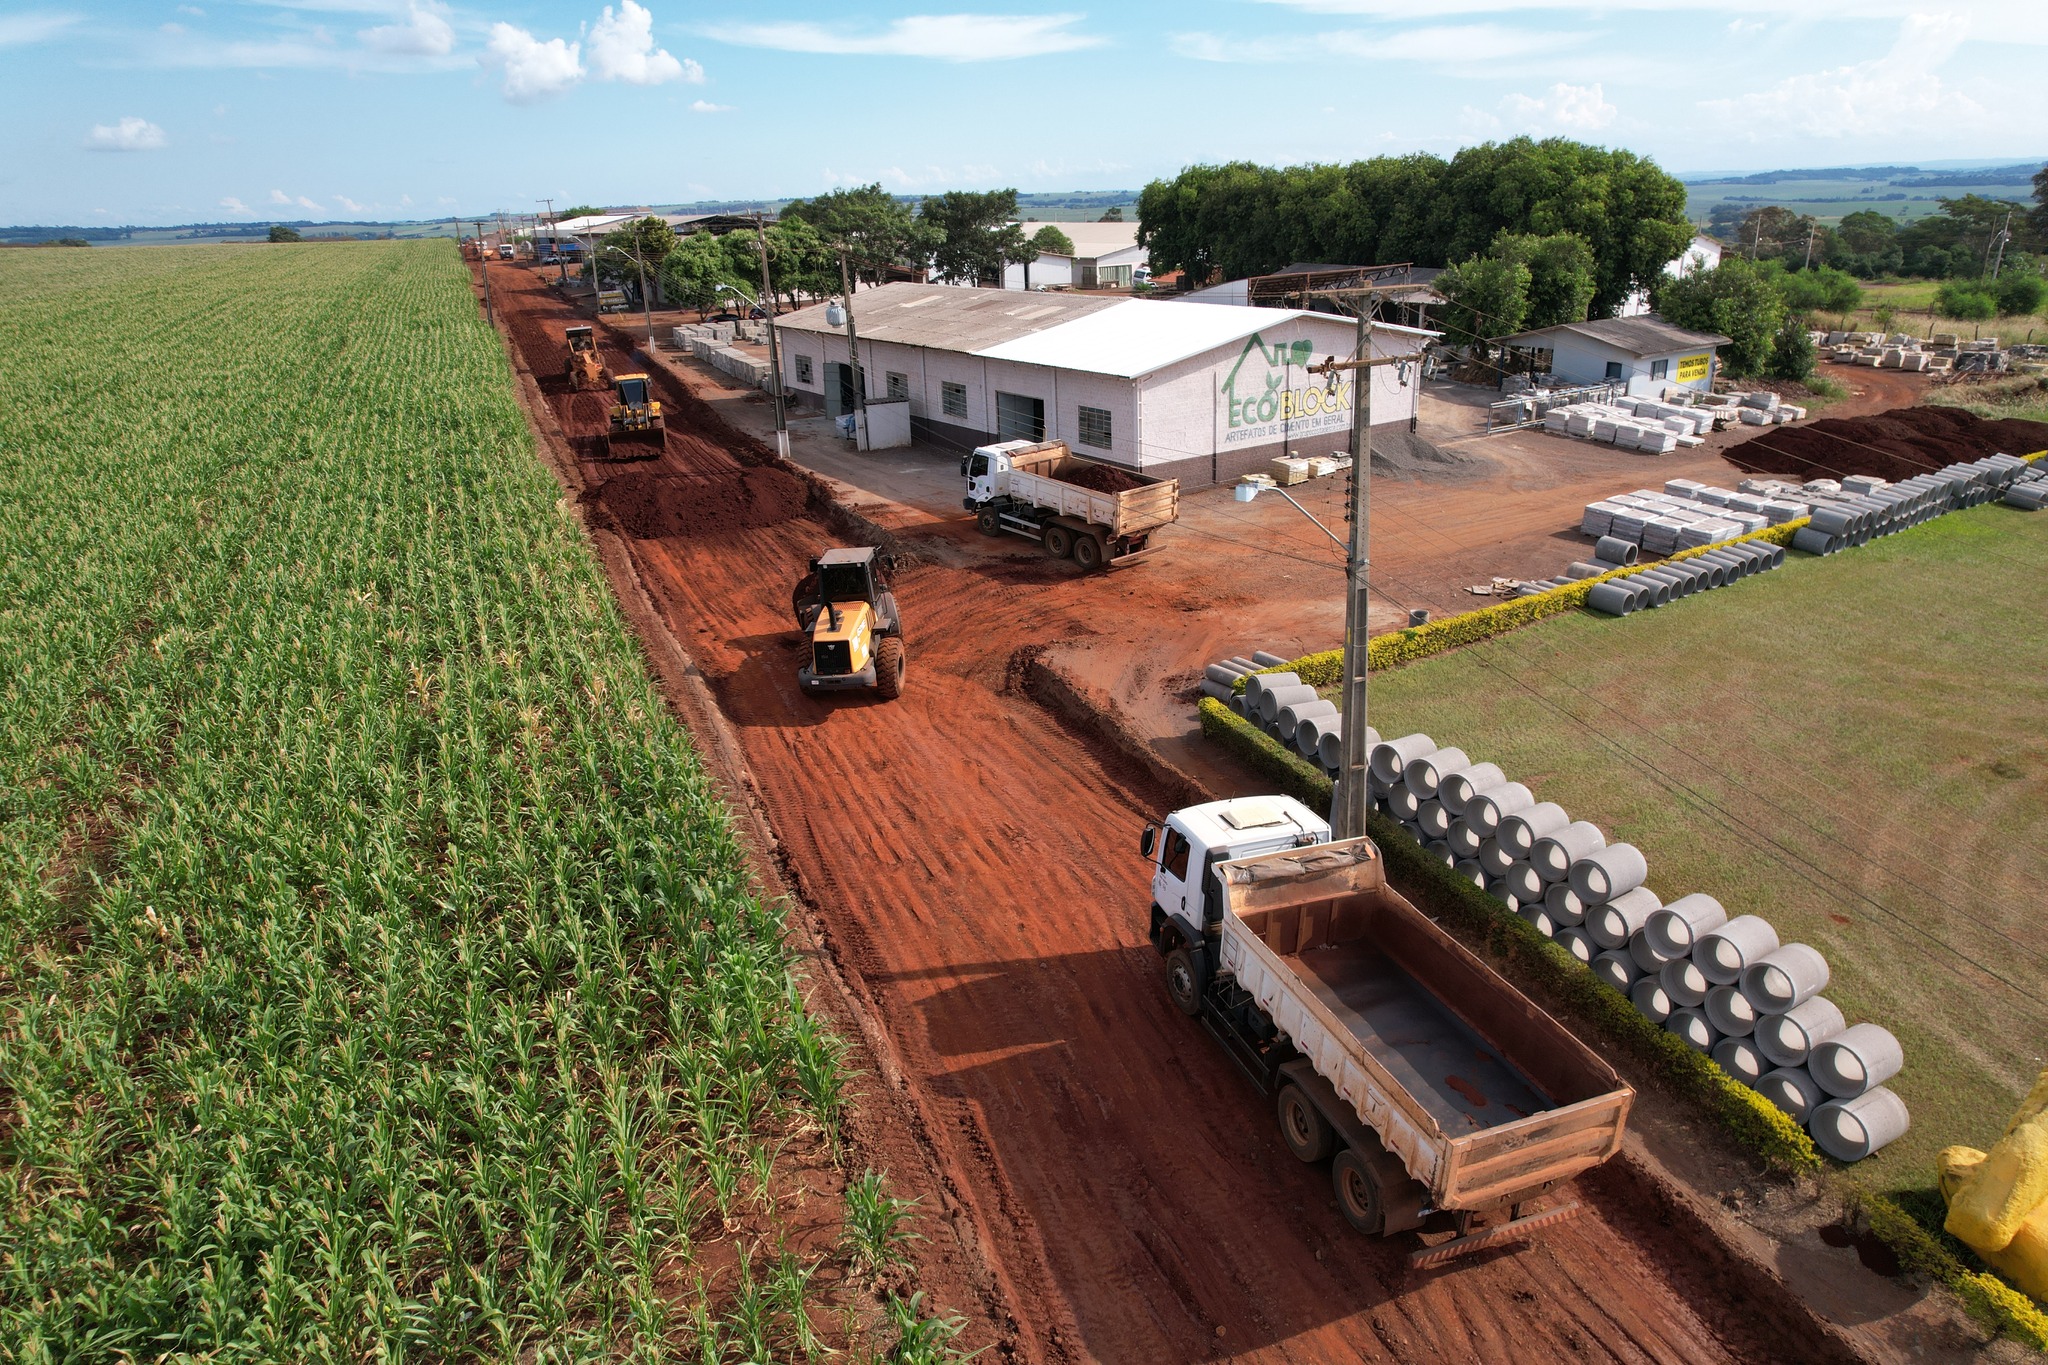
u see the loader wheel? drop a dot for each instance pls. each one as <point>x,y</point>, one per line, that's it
<point>1358,1193</point>
<point>1087,553</point>
<point>1059,542</point>
<point>1302,1126</point>
<point>889,666</point>
<point>1185,981</point>
<point>990,522</point>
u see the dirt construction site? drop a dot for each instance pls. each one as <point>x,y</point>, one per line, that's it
<point>1097,1182</point>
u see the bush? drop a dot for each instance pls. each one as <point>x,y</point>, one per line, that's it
<point>1822,289</point>
<point>1792,351</point>
<point>1966,301</point>
<point>2020,293</point>
<point>281,233</point>
<point>1736,299</point>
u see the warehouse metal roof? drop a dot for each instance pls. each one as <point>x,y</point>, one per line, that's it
<point>1091,333</point>
<point>1639,336</point>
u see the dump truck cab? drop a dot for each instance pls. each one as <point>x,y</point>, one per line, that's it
<point>1187,846</point>
<point>845,609</point>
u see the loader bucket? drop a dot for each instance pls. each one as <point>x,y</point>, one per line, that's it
<point>644,444</point>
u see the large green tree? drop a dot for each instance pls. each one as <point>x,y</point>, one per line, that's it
<point>1736,299</point>
<point>1488,296</point>
<point>972,234</point>
<point>1047,241</point>
<point>1561,269</point>
<point>874,228</point>
<point>622,251</point>
<point>693,274</point>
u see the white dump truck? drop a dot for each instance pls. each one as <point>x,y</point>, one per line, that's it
<point>1099,514</point>
<point>1444,1100</point>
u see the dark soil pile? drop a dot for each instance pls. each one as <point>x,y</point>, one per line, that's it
<point>1400,454</point>
<point>1100,478</point>
<point>647,504</point>
<point>1893,445</point>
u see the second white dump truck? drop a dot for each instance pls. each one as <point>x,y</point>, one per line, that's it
<point>1098,514</point>
<point>1443,1099</point>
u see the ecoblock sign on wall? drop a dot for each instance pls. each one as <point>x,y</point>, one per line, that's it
<point>1268,395</point>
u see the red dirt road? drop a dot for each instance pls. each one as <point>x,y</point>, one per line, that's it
<point>972,865</point>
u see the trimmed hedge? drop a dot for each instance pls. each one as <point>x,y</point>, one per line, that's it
<point>1989,1299</point>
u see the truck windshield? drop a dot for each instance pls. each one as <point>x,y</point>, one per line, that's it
<point>977,466</point>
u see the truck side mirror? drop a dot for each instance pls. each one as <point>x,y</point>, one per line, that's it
<point>1149,840</point>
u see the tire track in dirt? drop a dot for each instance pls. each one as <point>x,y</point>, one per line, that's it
<point>973,864</point>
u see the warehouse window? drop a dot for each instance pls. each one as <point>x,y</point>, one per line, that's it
<point>1660,369</point>
<point>1095,428</point>
<point>899,385</point>
<point>803,369</point>
<point>953,399</point>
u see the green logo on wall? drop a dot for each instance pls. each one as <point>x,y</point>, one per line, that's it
<point>1257,391</point>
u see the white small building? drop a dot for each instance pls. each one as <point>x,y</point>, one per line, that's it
<point>1647,354</point>
<point>1175,389</point>
<point>1105,256</point>
<point>1704,253</point>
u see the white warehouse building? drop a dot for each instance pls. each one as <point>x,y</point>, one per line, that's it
<point>1179,390</point>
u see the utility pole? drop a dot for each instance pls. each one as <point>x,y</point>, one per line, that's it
<point>483,265</point>
<point>774,352</point>
<point>555,240</point>
<point>2004,236</point>
<point>1811,229</point>
<point>860,387</point>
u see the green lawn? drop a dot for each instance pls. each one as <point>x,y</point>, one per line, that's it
<point>1853,748</point>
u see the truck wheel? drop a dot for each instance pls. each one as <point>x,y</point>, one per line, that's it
<point>1059,541</point>
<point>990,522</point>
<point>1302,1126</point>
<point>1087,552</point>
<point>1186,979</point>
<point>889,666</point>
<point>1358,1193</point>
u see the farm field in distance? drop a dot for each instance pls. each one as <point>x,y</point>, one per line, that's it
<point>1842,747</point>
<point>379,973</point>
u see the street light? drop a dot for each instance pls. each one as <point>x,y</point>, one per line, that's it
<point>1247,491</point>
<point>774,364</point>
<point>646,299</point>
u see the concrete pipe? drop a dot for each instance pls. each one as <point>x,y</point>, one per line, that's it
<point>1785,978</point>
<point>1520,830</point>
<point>1255,686</point>
<point>1648,996</point>
<point>1730,1012</point>
<point>1239,662</point>
<point>1425,775</point>
<point>1308,735</point>
<point>1617,970</point>
<point>1615,550</point>
<point>1740,1059</point>
<point>1470,870</point>
<point>1459,788</point>
<point>1854,1060</point>
<point>1390,757</point>
<point>1614,922</point>
<point>1684,983</point>
<point>1717,574</point>
<point>1654,591</point>
<point>1732,554</point>
<point>1849,1130</point>
<point>1265,660</point>
<point>1538,918</point>
<point>1673,929</point>
<point>1579,568</point>
<point>1834,521</point>
<point>1792,1090</point>
<point>1495,858</point>
<point>1644,953</point>
<point>1724,954</point>
<point>1271,699</point>
<point>1806,540</point>
<point>1487,809</point>
<point>1527,886</point>
<point>1222,673</point>
<point>1789,1039</point>
<point>1222,692</point>
<point>1578,943</point>
<point>1441,851</point>
<point>1464,840</point>
<point>1554,854</point>
<point>1607,872</point>
<point>1692,1027</point>
<point>1434,819</point>
<point>1675,584</point>
<point>1235,703</point>
<point>1293,718</point>
<point>1563,903</point>
<point>1401,803</point>
<point>1611,598</point>
<point>1497,888</point>
<point>1732,569</point>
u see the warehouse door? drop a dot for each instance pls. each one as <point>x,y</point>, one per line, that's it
<point>1019,418</point>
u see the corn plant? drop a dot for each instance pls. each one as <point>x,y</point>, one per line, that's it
<point>875,1226</point>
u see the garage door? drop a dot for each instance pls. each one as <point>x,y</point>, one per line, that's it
<point>1019,418</point>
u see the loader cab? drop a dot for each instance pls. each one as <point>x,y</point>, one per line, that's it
<point>632,389</point>
<point>1185,848</point>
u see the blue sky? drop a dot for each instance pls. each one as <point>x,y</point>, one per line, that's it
<point>248,109</point>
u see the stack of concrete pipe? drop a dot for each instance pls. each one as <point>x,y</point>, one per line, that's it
<point>1673,580</point>
<point>2029,492</point>
<point>1724,984</point>
<point>1284,706</point>
<point>1861,509</point>
<point>1219,680</point>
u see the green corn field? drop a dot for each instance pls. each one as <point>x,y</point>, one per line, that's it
<point>380,976</point>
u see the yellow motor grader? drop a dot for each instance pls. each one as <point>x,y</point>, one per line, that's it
<point>583,368</point>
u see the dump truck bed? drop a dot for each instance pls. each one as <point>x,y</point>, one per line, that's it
<point>1482,1096</point>
<point>1035,477</point>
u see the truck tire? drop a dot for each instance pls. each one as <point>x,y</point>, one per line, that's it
<point>1187,978</point>
<point>1059,542</point>
<point>1088,552</point>
<point>1303,1128</point>
<point>1359,1197</point>
<point>990,521</point>
<point>889,666</point>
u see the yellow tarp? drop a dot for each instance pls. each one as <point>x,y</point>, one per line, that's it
<point>1998,1201</point>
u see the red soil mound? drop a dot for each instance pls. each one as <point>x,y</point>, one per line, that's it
<point>649,504</point>
<point>1892,445</point>
<point>1101,478</point>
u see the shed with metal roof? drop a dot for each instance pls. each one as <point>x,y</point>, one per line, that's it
<point>1645,353</point>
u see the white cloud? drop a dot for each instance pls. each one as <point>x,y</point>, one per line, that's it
<point>280,197</point>
<point>423,34</point>
<point>351,205</point>
<point>19,30</point>
<point>173,29</point>
<point>234,205</point>
<point>303,202</point>
<point>622,49</point>
<point>707,107</point>
<point>1452,45</point>
<point>533,70</point>
<point>1896,93</point>
<point>1578,108</point>
<point>943,37</point>
<point>129,135</point>
<point>193,10</point>
<point>1743,27</point>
